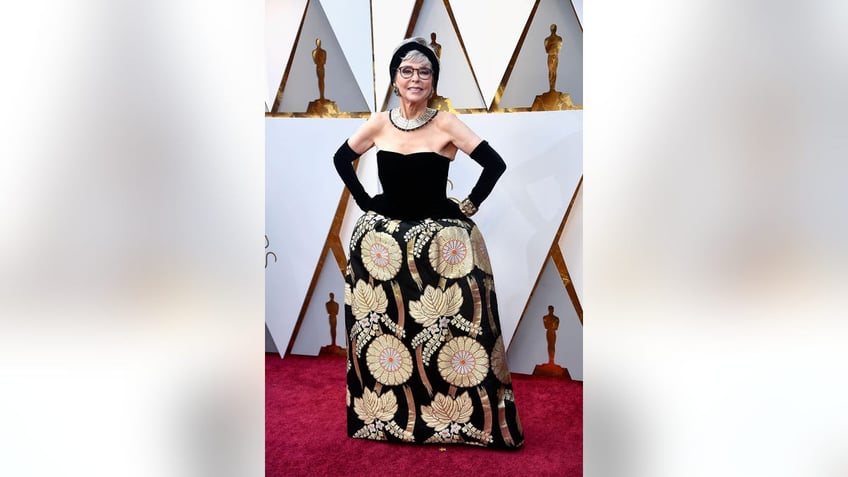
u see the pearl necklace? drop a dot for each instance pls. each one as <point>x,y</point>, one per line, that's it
<point>407,125</point>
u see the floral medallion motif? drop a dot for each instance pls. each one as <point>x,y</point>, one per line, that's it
<point>389,360</point>
<point>499,366</point>
<point>381,255</point>
<point>481,254</point>
<point>463,362</point>
<point>450,252</point>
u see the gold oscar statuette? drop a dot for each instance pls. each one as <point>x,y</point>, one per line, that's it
<point>439,102</point>
<point>553,100</point>
<point>332,307</point>
<point>321,106</point>
<point>551,323</point>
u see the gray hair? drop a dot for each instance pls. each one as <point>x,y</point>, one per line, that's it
<point>415,56</point>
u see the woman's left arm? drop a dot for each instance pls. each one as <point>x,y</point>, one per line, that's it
<point>493,165</point>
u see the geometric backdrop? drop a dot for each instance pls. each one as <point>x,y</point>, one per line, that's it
<point>494,64</point>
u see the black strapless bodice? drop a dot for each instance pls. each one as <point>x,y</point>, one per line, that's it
<point>414,186</point>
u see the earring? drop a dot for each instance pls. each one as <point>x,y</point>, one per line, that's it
<point>394,88</point>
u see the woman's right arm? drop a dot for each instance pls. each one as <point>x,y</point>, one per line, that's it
<point>363,139</point>
<point>356,145</point>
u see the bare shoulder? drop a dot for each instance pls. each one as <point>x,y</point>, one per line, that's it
<point>460,134</point>
<point>449,123</point>
<point>445,119</point>
<point>377,120</point>
<point>379,116</point>
<point>364,137</point>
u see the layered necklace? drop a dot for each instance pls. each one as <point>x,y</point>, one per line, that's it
<point>404,124</point>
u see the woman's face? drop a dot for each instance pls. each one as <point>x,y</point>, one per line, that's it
<point>414,89</point>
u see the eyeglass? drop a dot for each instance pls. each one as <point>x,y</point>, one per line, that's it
<point>423,73</point>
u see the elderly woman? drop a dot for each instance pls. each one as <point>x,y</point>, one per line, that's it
<point>426,360</point>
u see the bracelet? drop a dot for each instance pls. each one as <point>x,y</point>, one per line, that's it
<point>467,207</point>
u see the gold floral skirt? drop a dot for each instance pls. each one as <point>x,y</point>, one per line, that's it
<point>426,359</point>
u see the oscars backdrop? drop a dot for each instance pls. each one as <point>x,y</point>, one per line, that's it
<point>512,70</point>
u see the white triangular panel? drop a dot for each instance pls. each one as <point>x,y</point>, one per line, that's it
<point>456,80</point>
<point>571,244</point>
<point>298,210</point>
<point>578,9</point>
<point>490,31</point>
<point>390,19</point>
<point>302,83</point>
<point>314,330</point>
<point>351,22</point>
<point>530,347</point>
<point>270,346</point>
<point>520,220</point>
<point>282,19</point>
<point>529,75</point>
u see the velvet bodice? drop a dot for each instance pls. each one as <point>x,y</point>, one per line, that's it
<point>414,186</point>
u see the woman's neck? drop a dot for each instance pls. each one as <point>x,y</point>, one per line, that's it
<point>412,110</point>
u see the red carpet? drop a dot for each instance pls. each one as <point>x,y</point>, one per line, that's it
<point>305,430</point>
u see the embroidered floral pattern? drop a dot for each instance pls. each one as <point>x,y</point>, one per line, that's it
<point>445,410</point>
<point>374,410</point>
<point>377,412</point>
<point>381,255</point>
<point>435,303</point>
<point>450,252</point>
<point>450,417</point>
<point>367,299</point>
<point>481,254</point>
<point>392,226</point>
<point>435,310</point>
<point>416,371</point>
<point>365,223</point>
<point>463,362</point>
<point>389,361</point>
<point>348,298</point>
<point>419,234</point>
<point>499,366</point>
<point>373,407</point>
<point>368,305</point>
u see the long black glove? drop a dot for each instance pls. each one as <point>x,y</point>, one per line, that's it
<point>343,160</point>
<point>493,167</point>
